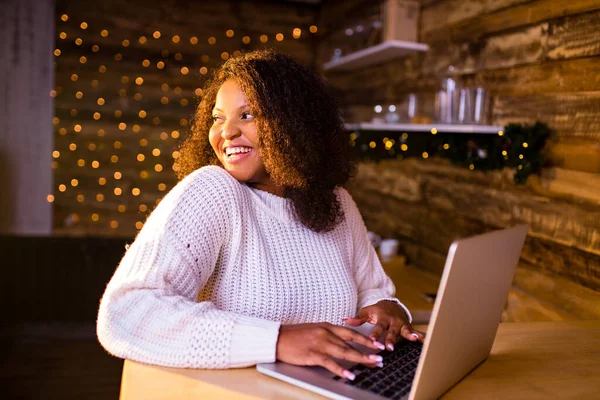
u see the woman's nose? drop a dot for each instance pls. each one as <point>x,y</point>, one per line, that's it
<point>230,130</point>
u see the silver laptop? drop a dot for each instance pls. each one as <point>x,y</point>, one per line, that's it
<point>468,308</point>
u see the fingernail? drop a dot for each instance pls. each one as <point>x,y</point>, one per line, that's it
<point>379,345</point>
<point>376,357</point>
<point>379,365</point>
<point>415,335</point>
<point>390,347</point>
<point>349,375</point>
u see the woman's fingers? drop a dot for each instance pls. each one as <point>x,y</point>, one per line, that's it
<point>379,330</point>
<point>327,363</point>
<point>348,334</point>
<point>354,321</point>
<point>342,350</point>
<point>392,334</point>
<point>409,333</point>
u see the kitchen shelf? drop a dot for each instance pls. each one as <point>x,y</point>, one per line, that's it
<point>375,54</point>
<point>441,128</point>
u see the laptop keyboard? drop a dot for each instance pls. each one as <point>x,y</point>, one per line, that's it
<point>395,379</point>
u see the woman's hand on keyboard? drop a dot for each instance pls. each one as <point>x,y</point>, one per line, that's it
<point>389,320</point>
<point>317,343</point>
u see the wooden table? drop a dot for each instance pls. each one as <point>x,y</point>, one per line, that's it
<point>537,360</point>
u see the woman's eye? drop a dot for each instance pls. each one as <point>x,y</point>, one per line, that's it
<point>246,115</point>
<point>216,118</point>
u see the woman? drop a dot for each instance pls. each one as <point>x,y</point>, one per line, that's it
<point>257,254</point>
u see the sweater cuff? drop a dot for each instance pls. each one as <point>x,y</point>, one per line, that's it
<point>395,300</point>
<point>253,341</point>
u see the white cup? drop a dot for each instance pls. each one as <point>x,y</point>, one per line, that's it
<point>388,249</point>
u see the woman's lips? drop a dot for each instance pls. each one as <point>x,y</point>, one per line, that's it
<point>237,157</point>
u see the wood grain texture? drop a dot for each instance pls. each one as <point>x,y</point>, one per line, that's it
<point>521,365</point>
<point>569,114</point>
<point>435,203</point>
<point>516,16</point>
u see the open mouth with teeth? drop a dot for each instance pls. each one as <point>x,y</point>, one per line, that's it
<point>237,153</point>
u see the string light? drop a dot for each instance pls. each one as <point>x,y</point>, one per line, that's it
<point>176,39</point>
<point>63,35</point>
<point>313,29</point>
<point>125,43</point>
<point>118,191</point>
<point>104,33</point>
<point>296,33</point>
<point>212,40</point>
<point>229,33</point>
<point>102,181</point>
<point>50,198</point>
<point>95,217</point>
<point>279,37</point>
<point>264,38</point>
<point>64,17</point>
<point>117,175</point>
<point>194,40</point>
<point>100,197</point>
<point>121,208</point>
<point>156,35</point>
<point>83,25</point>
<point>143,208</point>
<point>139,225</point>
<point>114,224</point>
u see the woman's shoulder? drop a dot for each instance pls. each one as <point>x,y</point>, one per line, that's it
<point>201,191</point>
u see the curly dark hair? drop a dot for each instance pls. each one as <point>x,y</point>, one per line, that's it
<point>301,137</point>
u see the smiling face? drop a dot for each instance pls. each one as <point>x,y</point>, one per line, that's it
<point>234,139</point>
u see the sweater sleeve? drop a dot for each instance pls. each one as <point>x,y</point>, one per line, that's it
<point>372,282</point>
<point>149,311</point>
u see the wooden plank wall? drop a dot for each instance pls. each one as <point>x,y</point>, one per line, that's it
<point>128,142</point>
<point>540,59</point>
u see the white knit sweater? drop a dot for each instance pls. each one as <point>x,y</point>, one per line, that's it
<point>217,268</point>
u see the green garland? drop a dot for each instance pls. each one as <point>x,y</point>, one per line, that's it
<point>519,146</point>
